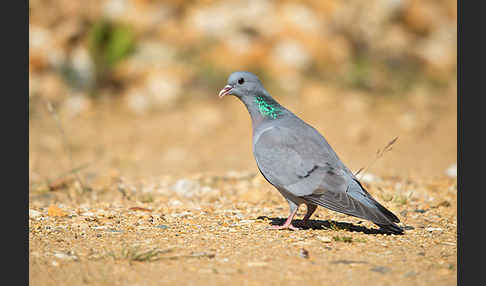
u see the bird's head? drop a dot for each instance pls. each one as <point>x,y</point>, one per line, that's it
<point>241,84</point>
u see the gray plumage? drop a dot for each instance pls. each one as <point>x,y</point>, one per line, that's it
<point>298,161</point>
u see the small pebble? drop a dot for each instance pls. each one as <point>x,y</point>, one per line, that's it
<point>452,171</point>
<point>410,274</point>
<point>257,264</point>
<point>89,214</point>
<point>433,229</point>
<point>369,178</point>
<point>61,255</point>
<point>380,269</point>
<point>324,239</point>
<point>304,253</point>
<point>34,213</point>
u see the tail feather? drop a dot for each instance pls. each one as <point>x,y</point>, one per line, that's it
<point>391,216</point>
<point>391,227</point>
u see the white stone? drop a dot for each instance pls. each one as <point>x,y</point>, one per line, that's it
<point>163,90</point>
<point>83,65</point>
<point>324,239</point>
<point>369,178</point>
<point>291,53</point>
<point>138,102</point>
<point>88,214</point>
<point>76,104</point>
<point>115,8</point>
<point>301,16</point>
<point>431,229</point>
<point>34,213</point>
<point>452,171</point>
<point>186,188</point>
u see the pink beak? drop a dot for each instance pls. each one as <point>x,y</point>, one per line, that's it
<point>226,90</point>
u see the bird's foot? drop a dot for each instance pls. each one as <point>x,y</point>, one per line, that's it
<point>289,226</point>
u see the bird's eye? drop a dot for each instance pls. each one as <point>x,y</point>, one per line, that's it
<point>241,81</point>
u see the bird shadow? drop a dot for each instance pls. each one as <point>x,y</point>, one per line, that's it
<point>326,224</point>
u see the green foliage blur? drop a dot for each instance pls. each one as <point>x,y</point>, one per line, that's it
<point>108,44</point>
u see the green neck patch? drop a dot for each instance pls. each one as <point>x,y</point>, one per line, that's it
<point>268,107</point>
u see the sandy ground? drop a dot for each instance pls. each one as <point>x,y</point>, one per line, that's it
<point>175,196</point>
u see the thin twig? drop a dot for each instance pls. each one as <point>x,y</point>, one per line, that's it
<point>72,171</point>
<point>379,154</point>
<point>67,144</point>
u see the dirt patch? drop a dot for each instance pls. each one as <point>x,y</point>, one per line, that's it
<point>164,207</point>
<point>215,230</point>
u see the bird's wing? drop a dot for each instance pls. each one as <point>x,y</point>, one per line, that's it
<point>297,160</point>
<point>355,201</point>
<point>300,164</point>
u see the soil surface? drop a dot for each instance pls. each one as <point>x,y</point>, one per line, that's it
<point>174,195</point>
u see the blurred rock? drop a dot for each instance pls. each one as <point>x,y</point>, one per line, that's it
<point>137,101</point>
<point>336,55</point>
<point>223,19</point>
<point>163,89</point>
<point>397,39</point>
<point>325,239</point>
<point>190,188</point>
<point>186,187</point>
<point>291,53</point>
<point>115,8</point>
<point>150,57</point>
<point>301,16</point>
<point>154,54</point>
<point>81,70</point>
<point>142,15</point>
<point>66,256</point>
<point>364,21</point>
<point>34,213</point>
<point>37,59</point>
<point>369,178</point>
<point>452,171</point>
<point>432,229</point>
<point>422,16</point>
<point>76,104</point>
<point>439,52</point>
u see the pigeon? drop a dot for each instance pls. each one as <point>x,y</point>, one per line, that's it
<point>298,161</point>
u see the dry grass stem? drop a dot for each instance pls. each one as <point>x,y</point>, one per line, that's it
<point>67,144</point>
<point>379,154</point>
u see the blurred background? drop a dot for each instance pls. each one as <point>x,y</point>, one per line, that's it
<point>129,87</point>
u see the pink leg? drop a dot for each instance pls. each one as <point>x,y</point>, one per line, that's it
<point>288,222</point>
